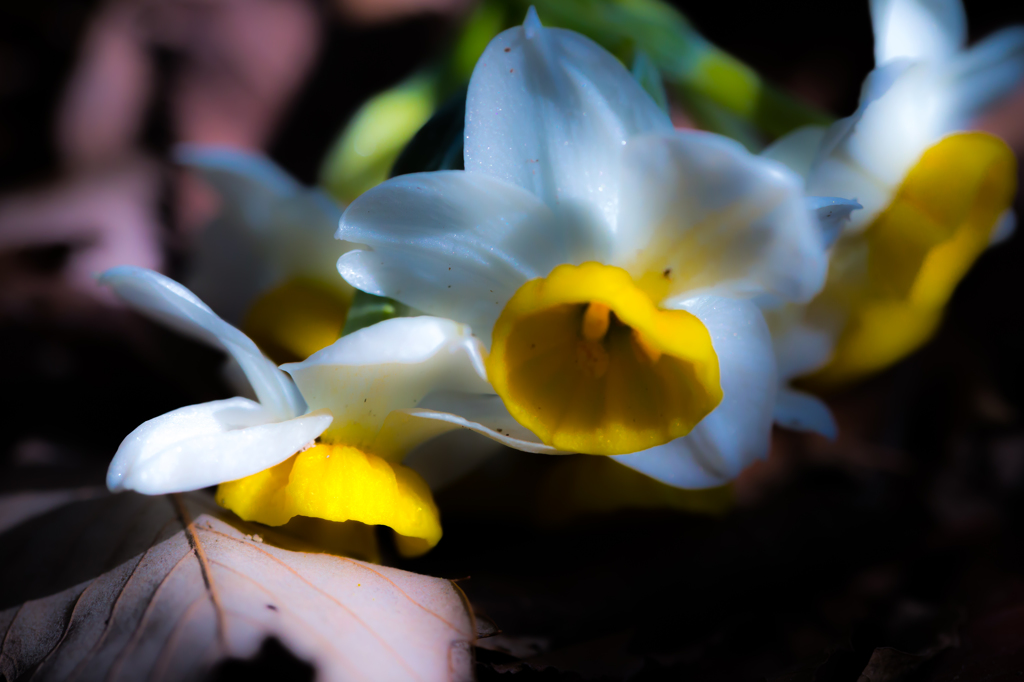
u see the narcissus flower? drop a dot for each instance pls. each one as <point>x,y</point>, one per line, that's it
<point>376,394</point>
<point>933,198</point>
<point>266,262</point>
<point>605,258</point>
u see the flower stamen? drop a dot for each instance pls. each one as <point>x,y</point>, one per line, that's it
<point>596,321</point>
<point>587,361</point>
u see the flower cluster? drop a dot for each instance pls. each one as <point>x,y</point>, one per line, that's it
<point>592,281</point>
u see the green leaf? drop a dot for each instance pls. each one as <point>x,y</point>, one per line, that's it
<point>710,115</point>
<point>684,57</point>
<point>648,76</point>
<point>367,148</point>
<point>439,143</point>
<point>368,309</point>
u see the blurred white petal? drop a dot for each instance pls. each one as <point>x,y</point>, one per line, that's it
<point>907,106</point>
<point>917,29</point>
<point>832,214</point>
<point>865,156</point>
<point>738,431</point>
<point>799,348</point>
<point>202,445</point>
<point>270,229</point>
<point>796,150</point>
<point>169,303</point>
<point>987,72</point>
<point>802,411</point>
<point>1005,227</point>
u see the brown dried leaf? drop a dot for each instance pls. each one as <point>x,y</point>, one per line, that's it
<point>129,587</point>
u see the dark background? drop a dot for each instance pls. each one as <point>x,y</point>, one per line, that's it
<point>905,533</point>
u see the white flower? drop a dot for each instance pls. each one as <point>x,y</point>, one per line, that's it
<point>925,85</point>
<point>611,254</point>
<point>933,198</point>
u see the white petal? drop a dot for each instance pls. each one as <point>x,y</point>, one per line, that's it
<point>549,110</point>
<point>270,228</point>
<point>391,365</point>
<point>738,431</point>
<point>987,71</point>
<point>442,460</point>
<point>1005,227</point>
<point>832,214</point>
<point>837,173</point>
<point>484,414</point>
<point>709,214</point>
<point>202,445</point>
<point>169,303</point>
<point>802,411</point>
<point>876,83</point>
<point>452,244</point>
<point>917,29</point>
<point>796,150</point>
<point>866,156</point>
<point>249,181</point>
<point>799,348</point>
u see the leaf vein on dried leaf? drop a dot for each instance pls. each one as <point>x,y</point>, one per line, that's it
<point>376,635</point>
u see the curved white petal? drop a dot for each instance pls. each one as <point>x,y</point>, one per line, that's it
<point>442,460</point>
<point>832,214</point>
<point>802,411</point>
<point>796,150</point>
<point>452,244</point>
<point>710,215</point>
<point>549,110</point>
<point>392,365</point>
<point>918,29</point>
<point>202,445</point>
<point>738,431</point>
<point>270,228</point>
<point>484,414</point>
<point>169,303</point>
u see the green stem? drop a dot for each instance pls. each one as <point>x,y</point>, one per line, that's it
<point>687,60</point>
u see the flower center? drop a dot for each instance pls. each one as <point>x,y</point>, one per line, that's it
<point>585,360</point>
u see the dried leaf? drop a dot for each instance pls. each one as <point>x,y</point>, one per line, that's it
<point>891,665</point>
<point>128,587</point>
